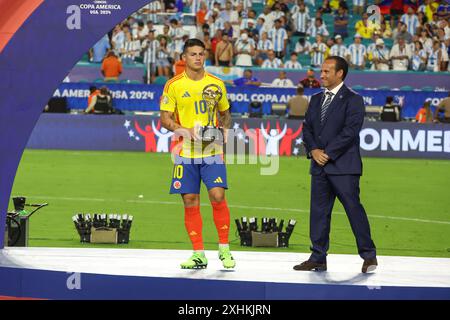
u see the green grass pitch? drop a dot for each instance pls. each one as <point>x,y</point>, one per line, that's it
<point>407,201</point>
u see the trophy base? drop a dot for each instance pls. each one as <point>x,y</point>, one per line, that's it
<point>212,134</point>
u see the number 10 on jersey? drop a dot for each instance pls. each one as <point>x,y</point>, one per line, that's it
<point>200,106</point>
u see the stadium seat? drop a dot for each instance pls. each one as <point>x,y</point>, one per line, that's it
<point>160,80</point>
<point>358,87</point>
<point>406,88</point>
<point>130,81</point>
<point>388,43</point>
<point>84,81</point>
<point>384,88</point>
<point>85,57</point>
<point>427,88</point>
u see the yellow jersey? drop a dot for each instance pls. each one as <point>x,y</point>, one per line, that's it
<point>183,97</point>
<point>365,32</point>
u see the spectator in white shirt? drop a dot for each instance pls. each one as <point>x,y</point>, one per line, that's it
<point>244,51</point>
<point>419,57</point>
<point>262,48</point>
<point>276,12</point>
<point>293,63</point>
<point>371,47</point>
<point>339,48</point>
<point>435,57</point>
<point>301,20</point>
<point>380,56</point>
<point>318,28</point>
<point>426,41</point>
<point>303,46</point>
<point>130,49</point>
<point>356,54</point>
<point>279,38</point>
<point>400,55</point>
<point>282,81</point>
<point>318,50</point>
<point>268,18</point>
<point>229,14</point>
<point>141,32</point>
<point>152,9</point>
<point>296,7</point>
<point>411,20</point>
<point>176,32</point>
<point>272,61</point>
<point>117,40</point>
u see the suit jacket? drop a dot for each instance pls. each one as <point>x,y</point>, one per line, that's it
<point>338,135</point>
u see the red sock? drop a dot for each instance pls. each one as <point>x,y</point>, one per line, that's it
<point>221,215</point>
<point>193,223</point>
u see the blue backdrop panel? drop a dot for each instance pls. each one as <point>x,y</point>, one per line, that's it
<point>143,97</point>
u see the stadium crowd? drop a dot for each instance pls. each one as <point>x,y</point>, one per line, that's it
<point>289,34</point>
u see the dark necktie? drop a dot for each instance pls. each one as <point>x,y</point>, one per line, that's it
<point>325,105</point>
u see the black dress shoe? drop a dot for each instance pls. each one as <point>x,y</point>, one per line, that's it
<point>310,265</point>
<point>369,265</point>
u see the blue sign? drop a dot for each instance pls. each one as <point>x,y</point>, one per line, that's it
<point>141,97</point>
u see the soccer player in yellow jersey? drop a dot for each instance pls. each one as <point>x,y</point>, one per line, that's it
<point>184,110</point>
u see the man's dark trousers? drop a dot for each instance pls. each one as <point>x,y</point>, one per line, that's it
<point>325,189</point>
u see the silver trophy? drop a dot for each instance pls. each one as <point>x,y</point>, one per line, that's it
<point>211,95</point>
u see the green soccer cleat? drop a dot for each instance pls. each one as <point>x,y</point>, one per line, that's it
<point>196,261</point>
<point>226,257</point>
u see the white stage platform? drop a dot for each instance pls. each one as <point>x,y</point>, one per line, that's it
<point>155,274</point>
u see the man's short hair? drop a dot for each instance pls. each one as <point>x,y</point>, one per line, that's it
<point>389,99</point>
<point>104,90</point>
<point>92,89</point>
<point>248,70</point>
<point>300,89</point>
<point>193,42</point>
<point>341,64</point>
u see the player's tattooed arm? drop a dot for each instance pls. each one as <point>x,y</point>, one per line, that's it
<point>168,122</point>
<point>225,119</point>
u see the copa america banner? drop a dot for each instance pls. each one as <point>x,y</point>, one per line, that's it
<point>253,136</point>
<point>133,97</point>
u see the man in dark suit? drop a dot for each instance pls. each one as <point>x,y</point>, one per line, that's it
<point>331,138</point>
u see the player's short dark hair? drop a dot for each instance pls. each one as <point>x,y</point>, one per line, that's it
<point>389,99</point>
<point>300,89</point>
<point>341,64</point>
<point>193,42</point>
<point>92,89</point>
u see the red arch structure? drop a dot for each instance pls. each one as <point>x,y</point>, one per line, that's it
<point>40,41</point>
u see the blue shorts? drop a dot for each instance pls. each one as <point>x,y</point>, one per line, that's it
<point>189,172</point>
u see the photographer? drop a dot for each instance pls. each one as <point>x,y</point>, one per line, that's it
<point>101,103</point>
